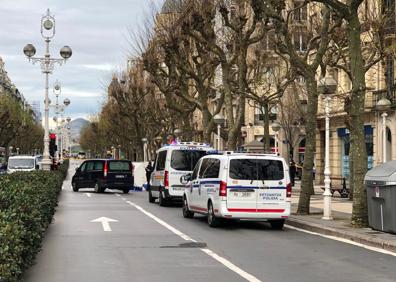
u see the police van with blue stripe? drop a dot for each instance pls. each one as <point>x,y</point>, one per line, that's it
<point>239,186</point>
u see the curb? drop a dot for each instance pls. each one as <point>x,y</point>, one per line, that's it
<point>365,239</point>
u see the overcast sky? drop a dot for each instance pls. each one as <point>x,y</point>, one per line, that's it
<point>96,30</point>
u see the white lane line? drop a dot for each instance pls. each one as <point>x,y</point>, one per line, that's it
<point>347,241</point>
<point>207,251</point>
<point>88,195</point>
<point>118,195</point>
<point>122,198</point>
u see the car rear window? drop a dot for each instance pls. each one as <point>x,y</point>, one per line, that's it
<point>185,160</point>
<point>20,163</point>
<point>256,169</point>
<point>119,166</point>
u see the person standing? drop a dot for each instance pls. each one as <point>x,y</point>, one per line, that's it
<point>149,169</point>
<point>292,171</point>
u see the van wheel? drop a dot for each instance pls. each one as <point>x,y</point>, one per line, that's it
<point>213,221</point>
<point>186,211</point>
<point>277,224</point>
<point>75,189</point>
<point>151,198</point>
<point>161,200</point>
<point>97,188</point>
<point>126,190</point>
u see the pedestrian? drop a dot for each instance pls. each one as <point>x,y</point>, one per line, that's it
<point>292,171</point>
<point>149,170</point>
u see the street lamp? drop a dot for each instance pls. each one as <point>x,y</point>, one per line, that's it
<point>327,86</point>
<point>178,132</point>
<point>276,126</point>
<point>219,120</point>
<point>383,105</point>
<point>47,66</point>
<point>144,140</point>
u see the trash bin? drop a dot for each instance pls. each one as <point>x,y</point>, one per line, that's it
<point>381,197</point>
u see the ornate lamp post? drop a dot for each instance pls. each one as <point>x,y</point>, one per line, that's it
<point>383,105</point>
<point>144,140</point>
<point>219,120</point>
<point>276,126</point>
<point>327,86</point>
<point>68,120</point>
<point>47,66</point>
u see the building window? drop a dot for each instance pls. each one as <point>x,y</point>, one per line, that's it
<point>300,14</point>
<point>300,41</point>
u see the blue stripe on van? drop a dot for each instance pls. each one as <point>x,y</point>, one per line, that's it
<point>210,182</point>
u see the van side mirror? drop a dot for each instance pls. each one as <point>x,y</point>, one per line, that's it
<point>185,178</point>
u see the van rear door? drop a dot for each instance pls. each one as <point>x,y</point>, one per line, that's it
<point>242,184</point>
<point>271,195</point>
<point>120,172</point>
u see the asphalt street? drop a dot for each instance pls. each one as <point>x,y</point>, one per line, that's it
<point>152,243</point>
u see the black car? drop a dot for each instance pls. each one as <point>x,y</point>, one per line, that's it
<point>102,174</point>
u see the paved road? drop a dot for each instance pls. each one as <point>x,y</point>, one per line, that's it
<point>150,243</point>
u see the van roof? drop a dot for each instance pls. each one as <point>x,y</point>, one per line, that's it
<point>186,144</point>
<point>229,154</point>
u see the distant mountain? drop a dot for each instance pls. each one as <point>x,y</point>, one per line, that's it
<point>75,127</point>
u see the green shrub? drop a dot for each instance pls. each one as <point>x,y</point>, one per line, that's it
<point>27,205</point>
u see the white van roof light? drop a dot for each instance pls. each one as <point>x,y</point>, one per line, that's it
<point>189,144</point>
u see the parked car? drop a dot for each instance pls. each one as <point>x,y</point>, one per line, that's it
<point>239,186</point>
<point>172,162</point>
<point>102,173</point>
<point>81,155</point>
<point>23,163</point>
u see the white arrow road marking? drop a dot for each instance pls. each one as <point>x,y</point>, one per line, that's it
<point>105,222</point>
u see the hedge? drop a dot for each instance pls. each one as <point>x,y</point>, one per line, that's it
<point>27,205</point>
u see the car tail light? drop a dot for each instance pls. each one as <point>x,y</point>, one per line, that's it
<point>223,189</point>
<point>288,190</point>
<point>105,169</point>
<point>166,179</point>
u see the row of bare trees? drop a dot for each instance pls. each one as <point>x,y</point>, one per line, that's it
<point>17,122</point>
<point>261,52</point>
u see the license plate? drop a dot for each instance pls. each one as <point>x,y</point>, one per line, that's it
<point>120,176</point>
<point>178,188</point>
<point>242,194</point>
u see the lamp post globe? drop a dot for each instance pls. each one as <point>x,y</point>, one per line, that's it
<point>66,102</point>
<point>55,118</point>
<point>327,85</point>
<point>276,126</point>
<point>218,119</point>
<point>48,24</point>
<point>68,119</point>
<point>178,132</point>
<point>66,52</point>
<point>383,104</point>
<point>29,50</point>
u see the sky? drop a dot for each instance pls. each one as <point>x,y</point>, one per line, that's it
<point>96,30</point>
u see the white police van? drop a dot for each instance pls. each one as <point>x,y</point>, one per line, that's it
<point>239,186</point>
<point>173,162</point>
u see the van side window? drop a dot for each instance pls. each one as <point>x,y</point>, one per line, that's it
<point>204,166</point>
<point>195,171</point>
<point>98,165</point>
<point>90,166</point>
<point>84,166</point>
<point>160,163</point>
<point>213,169</point>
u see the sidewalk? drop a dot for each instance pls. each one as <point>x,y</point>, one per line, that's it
<point>340,226</point>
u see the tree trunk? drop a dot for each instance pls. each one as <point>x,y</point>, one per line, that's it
<point>310,144</point>
<point>357,138</point>
<point>266,139</point>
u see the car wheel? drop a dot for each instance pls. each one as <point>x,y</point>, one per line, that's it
<point>126,190</point>
<point>97,188</point>
<point>213,221</point>
<point>75,189</point>
<point>277,224</point>
<point>151,198</point>
<point>161,200</point>
<point>186,211</point>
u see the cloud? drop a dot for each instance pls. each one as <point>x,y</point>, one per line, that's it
<point>94,29</point>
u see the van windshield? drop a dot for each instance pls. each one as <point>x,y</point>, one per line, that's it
<point>20,163</point>
<point>256,169</point>
<point>185,160</point>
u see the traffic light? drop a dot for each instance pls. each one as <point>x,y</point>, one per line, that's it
<point>52,145</point>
